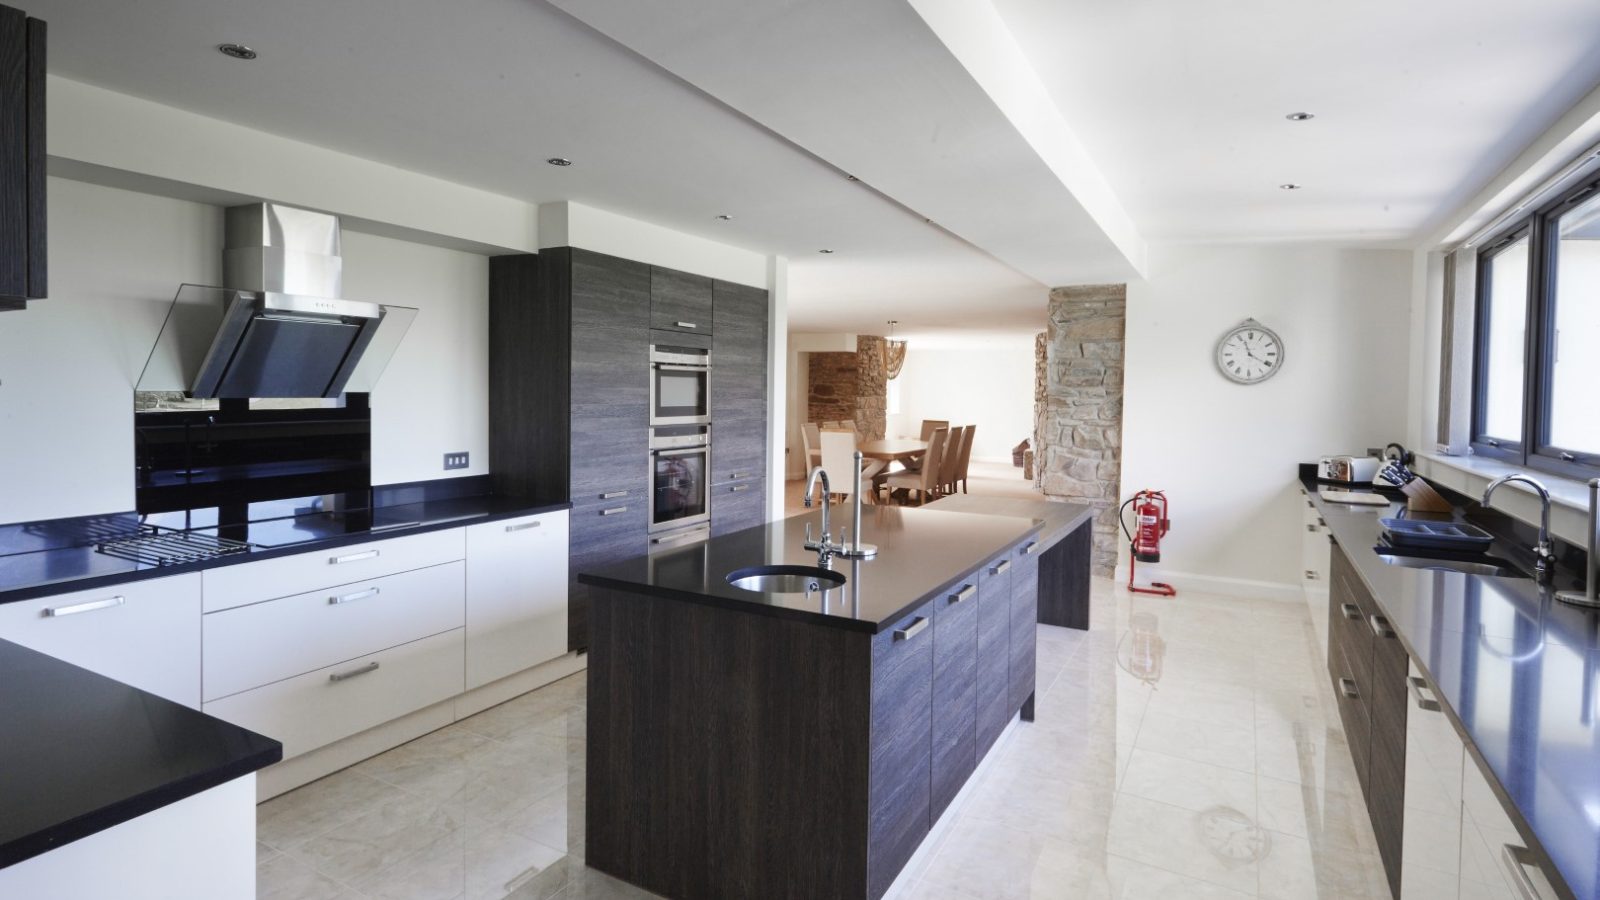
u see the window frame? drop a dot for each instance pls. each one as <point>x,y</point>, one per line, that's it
<point>1532,448</point>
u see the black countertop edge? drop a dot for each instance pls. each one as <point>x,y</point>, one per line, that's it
<point>880,622</point>
<point>1359,545</point>
<point>84,753</point>
<point>114,814</point>
<point>455,519</point>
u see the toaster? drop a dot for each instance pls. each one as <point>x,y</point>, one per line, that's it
<point>1348,469</point>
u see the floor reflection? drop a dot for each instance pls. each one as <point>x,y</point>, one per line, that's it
<point>1184,747</point>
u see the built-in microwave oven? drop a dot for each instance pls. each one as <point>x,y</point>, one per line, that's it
<point>680,385</point>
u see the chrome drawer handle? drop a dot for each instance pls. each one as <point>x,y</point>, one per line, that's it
<point>351,598</point>
<point>354,557</point>
<point>1027,549</point>
<point>341,676</point>
<point>1380,626</point>
<point>1312,574</point>
<point>1311,528</point>
<point>1000,569</point>
<point>612,495</point>
<point>613,510</point>
<point>690,536</point>
<point>1417,685</point>
<point>1348,688</point>
<point>1517,861</point>
<point>738,475</point>
<point>963,594</point>
<point>687,325</point>
<point>73,609</point>
<point>739,487</point>
<point>1350,610</point>
<point>912,630</point>
<point>523,526</point>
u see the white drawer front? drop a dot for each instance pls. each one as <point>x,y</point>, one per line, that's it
<point>285,576</point>
<point>249,646</point>
<point>516,595</point>
<point>318,708</point>
<point>142,633</point>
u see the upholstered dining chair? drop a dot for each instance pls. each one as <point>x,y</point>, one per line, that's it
<point>811,442</point>
<point>950,460</point>
<point>839,461</point>
<point>914,464</point>
<point>966,457</point>
<point>925,481</point>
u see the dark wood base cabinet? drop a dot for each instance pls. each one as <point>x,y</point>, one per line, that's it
<point>23,257</point>
<point>733,754</point>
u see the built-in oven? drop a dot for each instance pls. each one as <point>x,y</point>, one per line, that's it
<point>680,477</point>
<point>680,385</point>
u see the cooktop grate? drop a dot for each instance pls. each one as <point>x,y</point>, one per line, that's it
<point>155,547</point>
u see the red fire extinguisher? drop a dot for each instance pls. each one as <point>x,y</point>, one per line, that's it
<point>1150,524</point>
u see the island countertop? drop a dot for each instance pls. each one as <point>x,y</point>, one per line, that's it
<point>920,552</point>
<point>1517,671</point>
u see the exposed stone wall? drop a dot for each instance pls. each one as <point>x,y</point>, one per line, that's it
<point>851,387</point>
<point>1041,390</point>
<point>1079,433</point>
<point>833,385</point>
<point>872,387</point>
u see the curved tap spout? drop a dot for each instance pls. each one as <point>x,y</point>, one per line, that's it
<point>1544,551</point>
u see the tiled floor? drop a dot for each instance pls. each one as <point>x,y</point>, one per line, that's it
<point>1183,748</point>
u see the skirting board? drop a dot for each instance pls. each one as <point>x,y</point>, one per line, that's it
<point>1242,588</point>
<point>308,767</point>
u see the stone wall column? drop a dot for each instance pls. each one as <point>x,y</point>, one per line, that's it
<point>1079,428</point>
<point>872,387</point>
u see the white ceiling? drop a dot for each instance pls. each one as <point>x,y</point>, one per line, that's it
<point>1418,104</point>
<point>678,110</point>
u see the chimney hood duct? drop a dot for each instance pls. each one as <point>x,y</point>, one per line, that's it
<point>285,331</point>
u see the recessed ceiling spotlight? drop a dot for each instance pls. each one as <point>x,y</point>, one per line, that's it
<point>852,178</point>
<point>236,51</point>
<point>559,161</point>
<point>1290,186</point>
<point>824,250</point>
<point>724,217</point>
<point>1299,116</point>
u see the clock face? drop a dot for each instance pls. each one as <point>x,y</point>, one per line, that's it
<point>1250,354</point>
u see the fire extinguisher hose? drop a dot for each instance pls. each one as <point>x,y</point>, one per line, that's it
<point>1122,520</point>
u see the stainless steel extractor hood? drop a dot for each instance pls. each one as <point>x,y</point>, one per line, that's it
<point>285,331</point>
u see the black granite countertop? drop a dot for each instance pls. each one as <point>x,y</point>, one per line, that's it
<point>920,552</point>
<point>1056,519</point>
<point>42,558</point>
<point>1519,675</point>
<point>81,753</point>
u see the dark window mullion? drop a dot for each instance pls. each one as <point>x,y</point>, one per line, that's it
<point>1541,453</point>
<point>1498,446</point>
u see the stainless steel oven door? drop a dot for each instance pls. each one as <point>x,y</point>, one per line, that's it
<point>679,394</point>
<point>680,487</point>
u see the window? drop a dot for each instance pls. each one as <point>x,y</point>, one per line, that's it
<point>1538,327</point>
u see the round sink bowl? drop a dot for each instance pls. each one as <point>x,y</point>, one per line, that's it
<point>785,579</point>
<point>1487,566</point>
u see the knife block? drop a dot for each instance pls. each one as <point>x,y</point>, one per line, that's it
<point>1422,498</point>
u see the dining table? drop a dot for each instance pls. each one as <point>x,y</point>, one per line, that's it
<point>892,449</point>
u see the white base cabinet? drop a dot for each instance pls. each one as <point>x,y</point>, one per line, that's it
<point>200,848</point>
<point>1495,862</point>
<point>1430,851</point>
<point>1316,555</point>
<point>142,633</point>
<point>516,595</point>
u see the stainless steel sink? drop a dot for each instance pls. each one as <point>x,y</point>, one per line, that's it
<point>1487,565</point>
<point>785,579</point>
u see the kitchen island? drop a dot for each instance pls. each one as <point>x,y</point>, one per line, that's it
<point>1065,551</point>
<point>753,744</point>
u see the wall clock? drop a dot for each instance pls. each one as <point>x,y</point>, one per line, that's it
<point>1250,353</point>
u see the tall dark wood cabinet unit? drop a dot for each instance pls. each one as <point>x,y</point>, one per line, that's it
<point>569,394</point>
<point>738,407</point>
<point>23,257</point>
<point>569,335</point>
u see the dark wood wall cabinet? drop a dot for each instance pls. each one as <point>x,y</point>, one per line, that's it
<point>1369,668</point>
<point>569,392</point>
<point>733,754</point>
<point>24,261</point>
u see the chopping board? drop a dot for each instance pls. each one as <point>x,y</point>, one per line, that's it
<point>1359,498</point>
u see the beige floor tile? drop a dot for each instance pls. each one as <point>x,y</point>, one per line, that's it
<point>1227,743</point>
<point>282,877</point>
<point>291,820</point>
<point>1188,784</point>
<point>1295,869</point>
<point>1132,880</point>
<point>361,852</point>
<point>997,862</point>
<point>1218,846</point>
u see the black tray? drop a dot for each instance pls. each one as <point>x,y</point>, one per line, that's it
<point>1422,534</point>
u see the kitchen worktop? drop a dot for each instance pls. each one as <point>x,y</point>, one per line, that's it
<point>920,552</point>
<point>82,753</point>
<point>1055,518</point>
<point>51,557</point>
<point>1519,675</point>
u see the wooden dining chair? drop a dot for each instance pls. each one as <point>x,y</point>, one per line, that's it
<point>966,457</point>
<point>839,461</point>
<point>930,425</point>
<point>924,481</point>
<point>950,460</point>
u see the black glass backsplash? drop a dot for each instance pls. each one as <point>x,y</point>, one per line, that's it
<point>236,455</point>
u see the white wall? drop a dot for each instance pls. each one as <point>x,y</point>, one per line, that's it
<point>990,387</point>
<point>1225,453</point>
<point>68,364</point>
